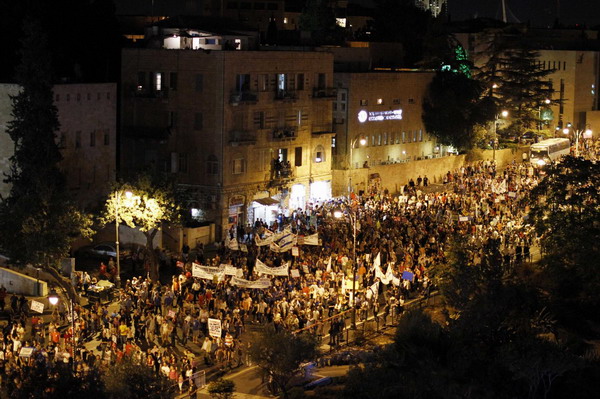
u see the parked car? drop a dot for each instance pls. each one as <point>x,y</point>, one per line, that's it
<point>529,138</point>
<point>102,250</point>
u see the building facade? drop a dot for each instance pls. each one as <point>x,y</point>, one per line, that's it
<point>245,134</point>
<point>87,137</point>
<point>377,119</point>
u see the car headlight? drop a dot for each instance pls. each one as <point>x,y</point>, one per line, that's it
<point>541,162</point>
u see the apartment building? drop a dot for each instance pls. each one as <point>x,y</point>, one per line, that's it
<point>245,134</point>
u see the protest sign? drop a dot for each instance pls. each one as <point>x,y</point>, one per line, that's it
<point>37,306</point>
<point>214,328</point>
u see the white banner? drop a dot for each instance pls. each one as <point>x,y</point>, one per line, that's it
<point>204,272</point>
<point>273,271</point>
<point>214,328</point>
<point>230,270</point>
<point>260,283</point>
<point>37,306</point>
<point>295,273</point>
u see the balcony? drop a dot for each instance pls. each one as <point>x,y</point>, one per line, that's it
<point>140,92</point>
<point>324,92</point>
<point>242,137</point>
<point>243,97</point>
<point>286,95</point>
<point>322,129</point>
<point>281,173</point>
<point>285,134</point>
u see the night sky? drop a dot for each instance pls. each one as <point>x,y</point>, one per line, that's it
<point>539,12</point>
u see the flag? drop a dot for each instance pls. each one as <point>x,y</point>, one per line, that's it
<point>376,262</point>
<point>312,239</point>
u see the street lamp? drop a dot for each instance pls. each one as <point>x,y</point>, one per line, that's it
<point>504,114</point>
<point>128,195</point>
<point>587,134</point>
<point>352,215</point>
<point>53,299</point>
<point>361,141</point>
<point>541,123</point>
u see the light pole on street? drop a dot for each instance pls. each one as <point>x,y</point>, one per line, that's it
<point>352,215</point>
<point>128,194</point>
<point>53,299</point>
<point>587,134</point>
<point>504,114</point>
<point>362,141</point>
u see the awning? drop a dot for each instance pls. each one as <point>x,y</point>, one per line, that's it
<point>267,201</point>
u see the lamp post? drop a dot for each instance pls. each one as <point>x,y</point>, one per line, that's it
<point>540,122</point>
<point>504,114</point>
<point>352,215</point>
<point>361,141</point>
<point>128,194</point>
<point>53,299</point>
<point>587,134</point>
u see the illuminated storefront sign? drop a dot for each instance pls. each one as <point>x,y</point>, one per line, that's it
<point>378,116</point>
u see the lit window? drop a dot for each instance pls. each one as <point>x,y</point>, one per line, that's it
<point>379,101</point>
<point>285,20</point>
<point>158,81</point>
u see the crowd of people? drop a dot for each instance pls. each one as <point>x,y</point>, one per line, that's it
<point>398,238</point>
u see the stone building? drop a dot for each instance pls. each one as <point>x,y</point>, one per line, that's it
<point>245,134</point>
<point>87,137</point>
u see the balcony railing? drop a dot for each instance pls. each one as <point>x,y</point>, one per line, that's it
<point>285,133</point>
<point>140,92</point>
<point>238,97</point>
<point>324,92</point>
<point>242,137</point>
<point>322,129</point>
<point>286,95</point>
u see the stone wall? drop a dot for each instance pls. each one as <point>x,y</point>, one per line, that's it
<point>19,283</point>
<point>396,175</point>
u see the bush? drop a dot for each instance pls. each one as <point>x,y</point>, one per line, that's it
<point>221,389</point>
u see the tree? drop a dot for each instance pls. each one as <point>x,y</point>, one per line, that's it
<point>126,379</point>
<point>279,353</point>
<point>516,81</point>
<point>151,204</point>
<point>38,221</point>
<point>317,18</point>
<point>453,107</point>
<point>221,389</point>
<point>56,382</point>
<point>565,210</point>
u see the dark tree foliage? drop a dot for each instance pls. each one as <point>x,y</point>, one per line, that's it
<point>401,21</point>
<point>516,81</point>
<point>317,18</point>
<point>279,353</point>
<point>56,382</point>
<point>453,107</point>
<point>565,210</point>
<point>126,379</point>
<point>37,220</point>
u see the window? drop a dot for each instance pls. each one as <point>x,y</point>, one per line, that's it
<point>173,81</point>
<point>68,97</point>
<point>322,81</point>
<point>364,102</point>
<point>259,6</point>
<point>141,80</point>
<point>259,119</point>
<point>319,154</point>
<point>282,154</point>
<point>414,136</point>
<point>244,5</point>
<point>272,6</point>
<point>403,137</point>
<point>385,139</point>
<point>420,134</point>
<point>264,82</point>
<point>333,142</point>
<point>335,106</point>
<point>89,96</point>
<point>78,139</point>
<point>212,165</point>
<point>380,101</point>
<point>106,137</point>
<point>396,101</point>
<point>198,121</point>
<point>98,96</point>
<point>343,96</point>
<point>108,95</point>
<point>172,119</point>
<point>183,162</point>
<point>92,139</point>
<point>78,97</point>
<point>199,83</point>
<point>396,138</point>
<point>57,98</point>
<point>232,5</point>
<point>242,82</point>
<point>281,82</point>
<point>298,156</point>
<point>300,81</point>
<point>238,166</point>
<point>411,100</point>
<point>211,41</point>
<point>379,139</point>
<point>62,142</point>
<point>157,81</point>
<point>372,140</point>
